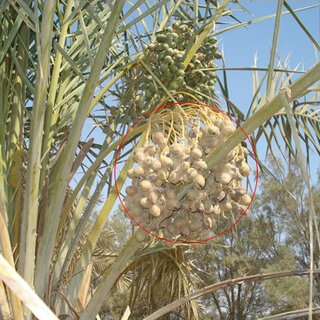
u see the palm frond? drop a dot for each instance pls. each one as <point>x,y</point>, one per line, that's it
<point>148,271</point>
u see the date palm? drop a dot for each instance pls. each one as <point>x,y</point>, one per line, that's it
<point>64,64</point>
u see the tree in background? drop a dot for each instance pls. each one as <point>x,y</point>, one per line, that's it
<point>272,237</point>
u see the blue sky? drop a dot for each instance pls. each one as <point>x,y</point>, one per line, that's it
<point>241,45</point>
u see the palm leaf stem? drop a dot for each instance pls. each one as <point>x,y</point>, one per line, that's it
<point>8,256</point>
<point>312,215</point>
<point>21,288</point>
<point>31,199</point>
<point>50,119</point>
<point>109,280</point>
<point>63,167</point>
<point>225,284</point>
<point>274,47</point>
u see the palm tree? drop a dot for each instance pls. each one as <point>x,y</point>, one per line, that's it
<point>64,63</point>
